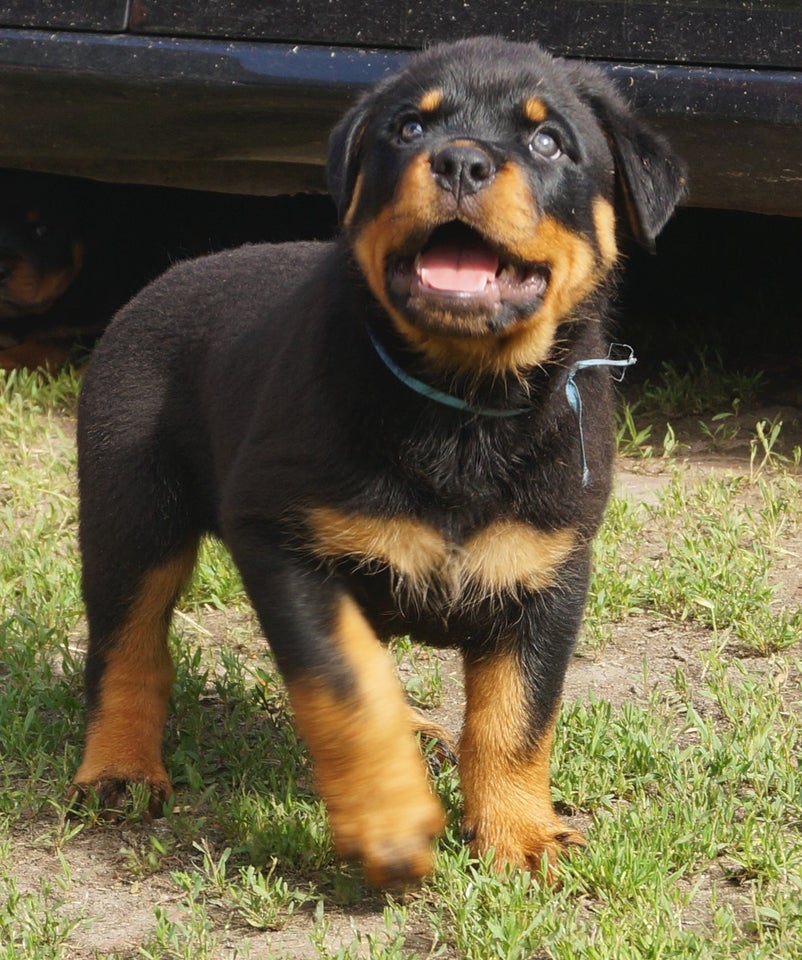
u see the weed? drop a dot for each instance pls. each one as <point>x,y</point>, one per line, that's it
<point>690,786</point>
<point>704,384</point>
<point>421,675</point>
<point>631,440</point>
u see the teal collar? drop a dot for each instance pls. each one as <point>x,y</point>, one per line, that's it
<point>619,357</point>
<point>432,393</point>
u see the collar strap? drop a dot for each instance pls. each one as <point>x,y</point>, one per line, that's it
<point>613,359</point>
<point>432,393</point>
<point>619,363</point>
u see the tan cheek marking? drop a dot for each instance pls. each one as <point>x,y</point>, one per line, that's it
<point>125,731</point>
<point>368,768</point>
<point>507,787</point>
<point>573,266</point>
<point>431,100</point>
<point>535,110</point>
<point>506,210</point>
<point>20,285</point>
<point>410,547</point>
<point>508,556</point>
<point>355,197</point>
<point>604,221</point>
<point>415,209</point>
<point>37,291</point>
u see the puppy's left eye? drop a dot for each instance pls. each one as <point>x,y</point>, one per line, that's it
<point>546,143</point>
<point>411,129</point>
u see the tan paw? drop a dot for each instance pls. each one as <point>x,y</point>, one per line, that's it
<point>112,790</point>
<point>391,836</point>
<point>532,845</point>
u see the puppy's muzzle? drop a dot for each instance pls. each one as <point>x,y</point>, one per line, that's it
<point>463,169</point>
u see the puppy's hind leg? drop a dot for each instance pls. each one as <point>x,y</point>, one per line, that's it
<point>138,553</point>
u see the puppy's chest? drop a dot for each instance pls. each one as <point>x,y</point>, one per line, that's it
<point>504,558</point>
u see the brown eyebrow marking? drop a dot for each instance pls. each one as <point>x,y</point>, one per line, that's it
<point>535,110</point>
<point>431,100</point>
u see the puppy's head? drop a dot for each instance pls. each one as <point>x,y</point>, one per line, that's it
<point>39,259</point>
<point>480,190</point>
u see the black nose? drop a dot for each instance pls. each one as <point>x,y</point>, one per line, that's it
<point>463,169</point>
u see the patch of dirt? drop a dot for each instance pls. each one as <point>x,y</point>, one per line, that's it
<point>116,908</point>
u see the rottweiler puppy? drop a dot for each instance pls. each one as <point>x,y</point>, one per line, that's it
<point>379,429</point>
<point>40,257</point>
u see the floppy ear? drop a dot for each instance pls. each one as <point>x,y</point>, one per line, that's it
<point>651,178</point>
<point>345,142</point>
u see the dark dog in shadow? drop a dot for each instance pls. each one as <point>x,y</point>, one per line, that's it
<point>41,254</point>
<point>72,251</point>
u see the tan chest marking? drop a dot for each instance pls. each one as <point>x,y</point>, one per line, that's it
<point>506,557</point>
<point>411,548</point>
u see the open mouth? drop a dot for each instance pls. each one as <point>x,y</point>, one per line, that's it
<point>458,266</point>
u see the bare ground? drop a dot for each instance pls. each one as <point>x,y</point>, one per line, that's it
<point>117,907</point>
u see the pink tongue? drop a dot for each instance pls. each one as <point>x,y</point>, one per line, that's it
<point>457,268</point>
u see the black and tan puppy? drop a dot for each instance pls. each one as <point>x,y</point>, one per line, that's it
<point>378,429</point>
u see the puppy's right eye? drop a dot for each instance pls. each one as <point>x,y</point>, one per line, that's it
<point>411,129</point>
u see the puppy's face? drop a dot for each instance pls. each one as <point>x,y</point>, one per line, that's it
<point>477,193</point>
<point>39,259</point>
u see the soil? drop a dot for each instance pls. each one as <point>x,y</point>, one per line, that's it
<point>641,654</point>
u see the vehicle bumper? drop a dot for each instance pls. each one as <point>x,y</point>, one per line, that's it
<point>253,117</point>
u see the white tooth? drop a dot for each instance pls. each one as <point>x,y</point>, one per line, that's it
<point>416,264</point>
<point>507,274</point>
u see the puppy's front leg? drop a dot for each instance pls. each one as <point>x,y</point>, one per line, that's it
<point>504,763</point>
<point>350,710</point>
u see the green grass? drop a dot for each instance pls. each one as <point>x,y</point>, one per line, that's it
<point>689,787</point>
<point>705,552</point>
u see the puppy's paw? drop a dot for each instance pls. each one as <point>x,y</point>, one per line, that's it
<point>526,845</point>
<point>114,792</point>
<point>390,834</point>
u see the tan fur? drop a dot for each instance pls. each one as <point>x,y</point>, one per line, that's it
<point>441,741</point>
<point>412,548</point>
<point>413,209</point>
<point>35,355</point>
<point>504,558</point>
<point>124,736</point>
<point>431,100</point>
<point>535,110</point>
<point>355,196</point>
<point>508,556</point>
<point>368,768</point>
<point>604,222</point>
<point>506,786</point>
<point>32,292</point>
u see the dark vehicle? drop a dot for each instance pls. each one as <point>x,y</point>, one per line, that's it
<point>240,96</point>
